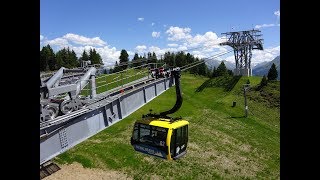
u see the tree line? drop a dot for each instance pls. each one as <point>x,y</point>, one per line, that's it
<point>50,61</point>
<point>170,59</point>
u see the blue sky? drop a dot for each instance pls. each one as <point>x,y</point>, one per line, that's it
<point>147,25</point>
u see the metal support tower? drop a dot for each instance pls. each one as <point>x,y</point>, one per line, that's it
<point>243,42</point>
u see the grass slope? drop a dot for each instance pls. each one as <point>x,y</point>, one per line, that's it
<point>222,143</point>
<point>107,82</point>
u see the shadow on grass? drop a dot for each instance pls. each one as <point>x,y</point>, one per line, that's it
<point>204,85</point>
<point>232,83</point>
<point>226,82</point>
<point>242,117</point>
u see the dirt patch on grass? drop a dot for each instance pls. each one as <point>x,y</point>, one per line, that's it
<point>149,160</point>
<point>193,146</point>
<point>155,177</point>
<point>77,171</point>
<point>245,147</point>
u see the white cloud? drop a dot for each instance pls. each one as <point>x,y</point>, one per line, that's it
<point>182,48</point>
<point>77,39</point>
<point>140,19</point>
<point>200,45</point>
<point>277,13</point>
<point>41,37</point>
<point>58,42</point>
<point>223,49</point>
<point>152,24</point>
<point>198,54</point>
<point>201,52</point>
<point>155,34</point>
<point>264,26</point>
<point>156,50</point>
<point>266,55</point>
<point>141,48</point>
<point>109,55</point>
<point>230,59</point>
<point>208,40</point>
<point>172,45</point>
<point>177,33</point>
<point>130,53</point>
<point>79,43</point>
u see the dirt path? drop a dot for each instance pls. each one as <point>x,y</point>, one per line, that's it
<point>76,171</point>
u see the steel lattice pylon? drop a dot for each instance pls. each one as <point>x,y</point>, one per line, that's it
<point>242,43</point>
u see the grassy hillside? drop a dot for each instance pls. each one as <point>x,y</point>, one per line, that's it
<point>222,143</point>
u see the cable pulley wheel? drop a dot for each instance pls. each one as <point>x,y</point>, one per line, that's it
<point>51,113</point>
<point>66,107</point>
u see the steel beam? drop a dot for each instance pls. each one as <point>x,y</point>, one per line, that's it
<point>65,134</point>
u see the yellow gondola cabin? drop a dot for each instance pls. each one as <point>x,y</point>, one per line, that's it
<point>161,137</point>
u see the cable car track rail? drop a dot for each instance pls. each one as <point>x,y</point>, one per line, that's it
<point>98,102</point>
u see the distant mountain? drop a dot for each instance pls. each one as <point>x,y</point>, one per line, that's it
<point>263,68</point>
<point>216,63</point>
<point>260,64</point>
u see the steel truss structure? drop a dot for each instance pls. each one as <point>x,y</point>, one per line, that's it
<point>243,42</point>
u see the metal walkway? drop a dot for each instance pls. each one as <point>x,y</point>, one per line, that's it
<point>64,132</point>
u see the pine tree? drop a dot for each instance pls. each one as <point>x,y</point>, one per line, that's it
<point>222,69</point>
<point>84,57</point>
<point>189,58</point>
<point>195,70</point>
<point>166,58</point>
<point>116,67</point>
<point>273,73</point>
<point>47,59</point>
<point>94,57</point>
<point>141,61</point>
<point>73,59</point>
<point>61,57</point>
<point>263,82</point>
<point>202,69</point>
<point>51,59</point>
<point>124,58</point>
<point>214,72</point>
<point>149,55</point>
<point>154,58</point>
<point>135,59</point>
<point>68,59</point>
<point>180,59</point>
